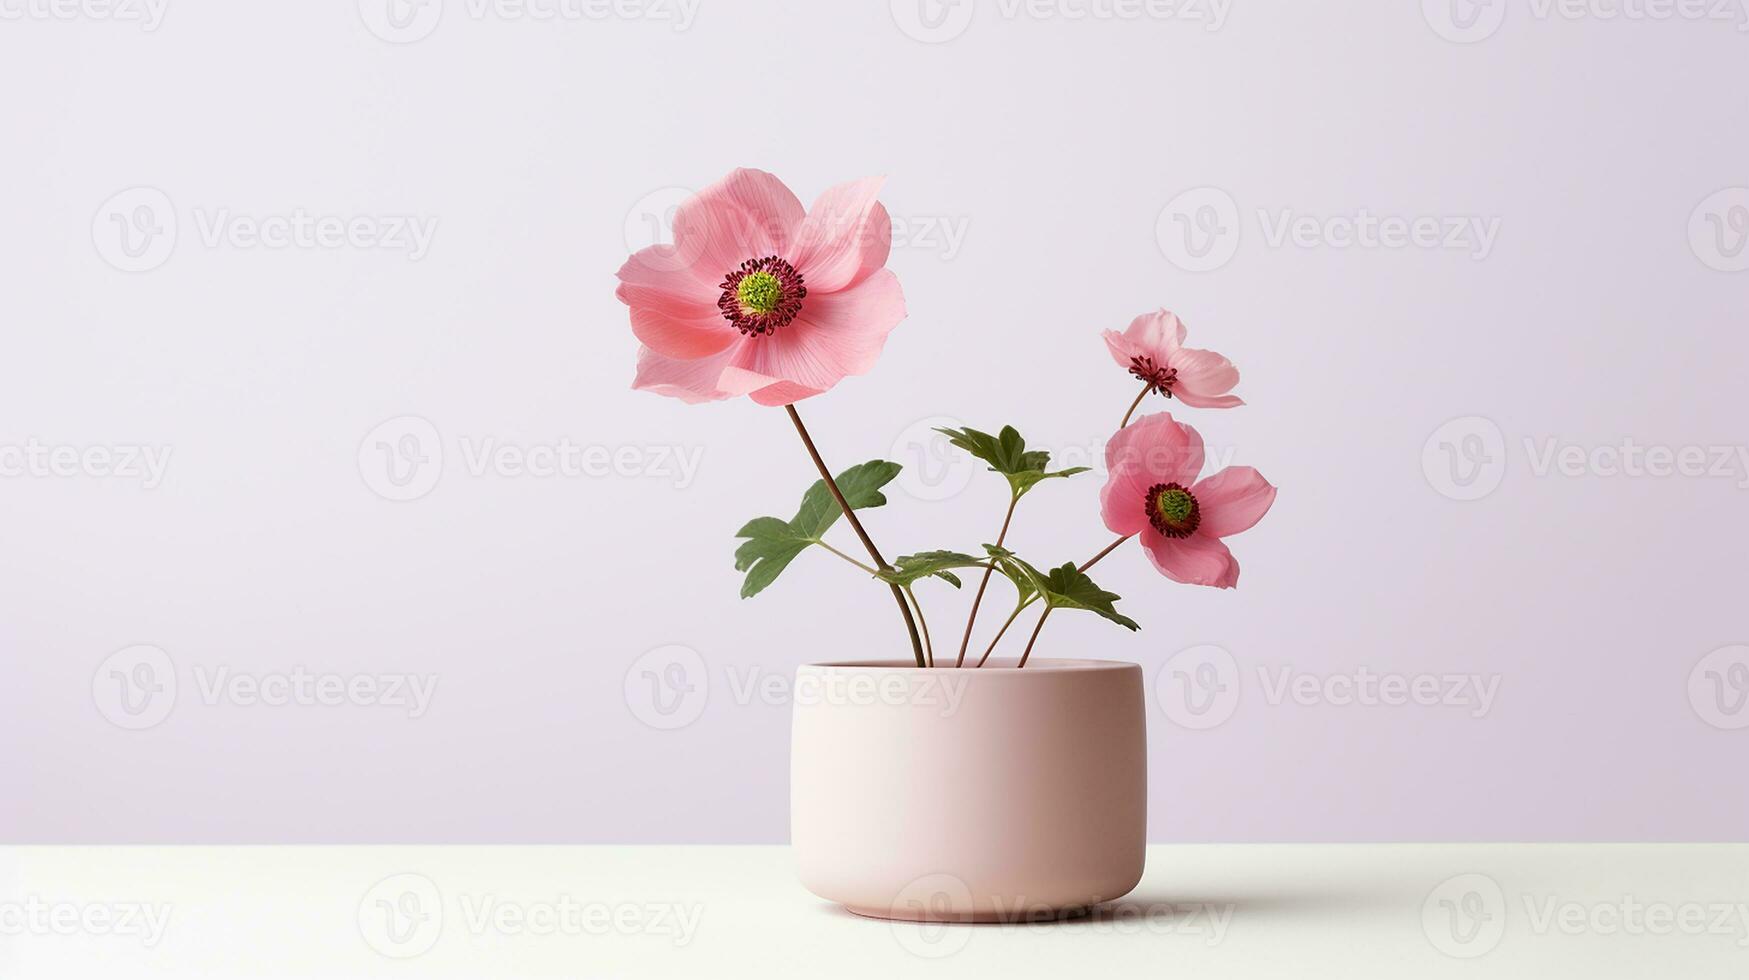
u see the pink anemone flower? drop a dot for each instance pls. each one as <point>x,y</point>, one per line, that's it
<point>1153,491</point>
<point>1153,350</point>
<point>758,297</point>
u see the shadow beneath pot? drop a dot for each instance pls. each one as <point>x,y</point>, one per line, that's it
<point>1184,907</point>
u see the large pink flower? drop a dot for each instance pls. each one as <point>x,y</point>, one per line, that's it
<point>757,297</point>
<point>1153,350</point>
<point>1153,491</point>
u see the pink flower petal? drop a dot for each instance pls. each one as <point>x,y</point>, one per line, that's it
<point>836,335</point>
<point>879,229</point>
<point>691,381</point>
<point>842,237</point>
<point>1123,501</point>
<point>1200,559</point>
<point>1233,500</point>
<point>656,278</point>
<point>849,328</point>
<point>783,393</point>
<point>680,337</point>
<point>1163,449</point>
<point>1157,334</point>
<point>771,205</point>
<point>1204,378</point>
<point>713,237</point>
<point>763,388</point>
<point>1123,350</point>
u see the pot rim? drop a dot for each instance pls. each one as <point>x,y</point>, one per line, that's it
<point>1037,665</point>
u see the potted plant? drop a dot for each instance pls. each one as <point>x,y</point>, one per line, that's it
<point>952,785</point>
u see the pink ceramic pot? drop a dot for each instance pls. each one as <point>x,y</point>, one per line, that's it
<point>995,794</point>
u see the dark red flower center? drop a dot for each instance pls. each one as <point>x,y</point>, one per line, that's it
<point>1173,510</point>
<point>762,295</point>
<point>1160,379</point>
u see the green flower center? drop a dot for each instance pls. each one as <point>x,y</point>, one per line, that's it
<point>1173,510</point>
<point>759,292</point>
<point>1174,506</point>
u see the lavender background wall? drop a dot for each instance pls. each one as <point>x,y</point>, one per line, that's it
<point>484,170</point>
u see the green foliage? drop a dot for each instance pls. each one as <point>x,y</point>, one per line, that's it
<point>908,569</point>
<point>1066,587</point>
<point>772,543</point>
<point>1007,454</point>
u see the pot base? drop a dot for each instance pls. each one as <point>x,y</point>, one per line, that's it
<point>1026,917</point>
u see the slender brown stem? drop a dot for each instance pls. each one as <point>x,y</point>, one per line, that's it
<point>1089,563</point>
<point>1135,405</point>
<point>1034,638</point>
<point>928,644</point>
<point>856,525</point>
<point>998,637</point>
<point>966,640</point>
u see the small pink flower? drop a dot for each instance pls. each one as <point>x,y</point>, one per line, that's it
<point>1153,350</point>
<point>757,297</point>
<point>1153,491</point>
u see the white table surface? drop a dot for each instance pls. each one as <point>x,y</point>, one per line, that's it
<point>1400,911</point>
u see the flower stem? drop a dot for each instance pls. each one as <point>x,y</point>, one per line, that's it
<point>1089,563</point>
<point>966,640</point>
<point>1135,405</point>
<point>1034,638</point>
<point>928,644</point>
<point>1006,623</point>
<point>867,542</point>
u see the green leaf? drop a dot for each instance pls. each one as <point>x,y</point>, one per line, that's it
<point>1068,587</point>
<point>910,568</point>
<point>773,543</point>
<point>1007,454</point>
<point>1015,571</point>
